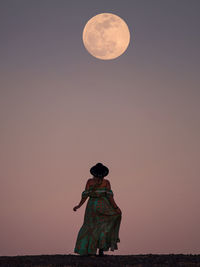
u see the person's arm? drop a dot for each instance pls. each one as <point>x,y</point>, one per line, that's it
<point>111,199</point>
<point>83,199</point>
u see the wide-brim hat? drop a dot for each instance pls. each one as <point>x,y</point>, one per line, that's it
<point>99,170</point>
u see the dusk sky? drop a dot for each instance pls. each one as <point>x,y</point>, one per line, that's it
<point>63,110</point>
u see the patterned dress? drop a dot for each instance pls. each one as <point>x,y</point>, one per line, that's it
<point>101,224</point>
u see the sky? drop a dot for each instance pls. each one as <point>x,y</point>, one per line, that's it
<point>63,110</point>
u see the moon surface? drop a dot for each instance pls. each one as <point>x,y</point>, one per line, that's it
<point>106,36</point>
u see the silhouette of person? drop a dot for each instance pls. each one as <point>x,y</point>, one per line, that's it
<point>102,219</point>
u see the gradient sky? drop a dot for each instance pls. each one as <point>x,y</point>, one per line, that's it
<point>62,111</point>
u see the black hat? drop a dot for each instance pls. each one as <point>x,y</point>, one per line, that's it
<point>99,170</point>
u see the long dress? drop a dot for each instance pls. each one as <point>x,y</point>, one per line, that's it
<point>101,224</point>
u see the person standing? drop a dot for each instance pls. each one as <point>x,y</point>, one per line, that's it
<point>102,219</point>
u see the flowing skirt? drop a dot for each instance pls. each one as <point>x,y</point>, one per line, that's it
<point>100,228</point>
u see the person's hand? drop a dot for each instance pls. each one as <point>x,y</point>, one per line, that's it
<point>76,207</point>
<point>118,210</point>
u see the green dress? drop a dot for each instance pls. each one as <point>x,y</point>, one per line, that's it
<point>101,224</point>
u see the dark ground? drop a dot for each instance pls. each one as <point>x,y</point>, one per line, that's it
<point>142,260</point>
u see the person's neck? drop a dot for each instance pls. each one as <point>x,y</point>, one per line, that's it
<point>98,179</point>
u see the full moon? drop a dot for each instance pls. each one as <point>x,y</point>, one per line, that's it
<point>106,36</point>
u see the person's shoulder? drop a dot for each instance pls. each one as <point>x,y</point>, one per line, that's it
<point>107,182</point>
<point>89,180</point>
<point>88,183</point>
